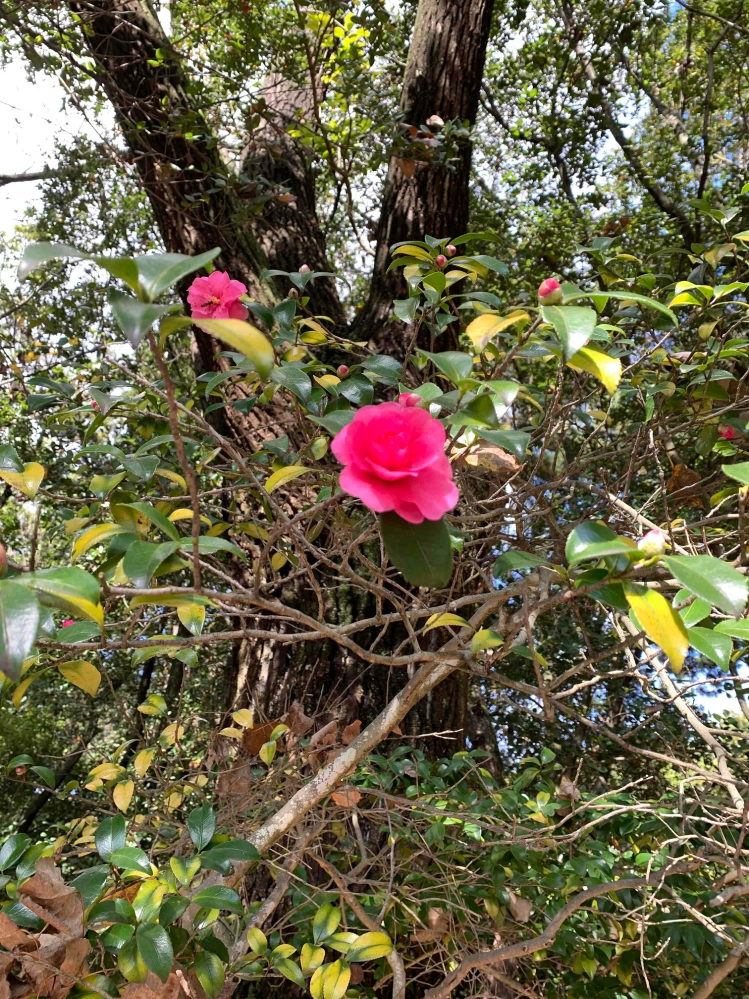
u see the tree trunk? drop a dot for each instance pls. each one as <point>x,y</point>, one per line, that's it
<point>443,77</point>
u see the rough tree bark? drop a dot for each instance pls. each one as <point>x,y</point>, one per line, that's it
<point>443,76</point>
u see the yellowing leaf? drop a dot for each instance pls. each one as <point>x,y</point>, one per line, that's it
<point>184,870</point>
<point>123,794</point>
<point>485,639</point>
<point>245,338</point>
<point>185,514</point>
<point>106,771</point>
<point>660,622</point>
<point>325,381</point>
<point>20,690</point>
<point>75,524</point>
<point>606,369</point>
<point>94,536</point>
<point>142,761</point>
<point>336,979</point>
<point>231,733</point>
<point>28,481</point>
<point>192,615</point>
<point>278,561</point>
<point>409,250</point>
<point>82,674</point>
<point>167,473</point>
<point>267,752</point>
<point>484,327</point>
<point>442,620</point>
<point>243,717</point>
<point>319,447</point>
<point>171,734</point>
<point>284,475</point>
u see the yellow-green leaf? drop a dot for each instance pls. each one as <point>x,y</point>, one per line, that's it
<point>369,946</point>
<point>123,794</point>
<point>410,250</point>
<point>485,639</point>
<point>142,761</point>
<point>243,717</point>
<point>186,514</point>
<point>107,771</point>
<point>443,620</point>
<point>284,475</point>
<point>245,338</point>
<point>231,733</point>
<point>184,870</point>
<point>167,473</point>
<point>484,327</point>
<point>278,561</point>
<point>28,481</point>
<point>607,370</point>
<point>21,689</point>
<point>94,536</point>
<point>660,622</point>
<point>336,979</point>
<point>82,674</point>
<point>257,940</point>
<point>192,615</point>
<point>267,752</point>
<point>311,957</point>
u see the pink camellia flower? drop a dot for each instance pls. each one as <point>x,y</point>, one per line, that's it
<point>409,399</point>
<point>653,543</point>
<point>395,460</point>
<point>67,622</point>
<point>216,297</point>
<point>550,292</point>
<point>726,432</point>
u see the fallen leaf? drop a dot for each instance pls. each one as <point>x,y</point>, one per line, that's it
<point>12,936</point>
<point>255,738</point>
<point>346,798</point>
<point>298,722</point>
<point>154,988</point>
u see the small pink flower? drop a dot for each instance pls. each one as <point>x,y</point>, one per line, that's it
<point>216,297</point>
<point>550,292</point>
<point>395,460</point>
<point>409,399</point>
<point>726,432</point>
<point>67,622</point>
<point>653,543</point>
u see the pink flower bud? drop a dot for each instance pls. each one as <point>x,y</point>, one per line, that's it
<point>409,399</point>
<point>67,622</point>
<point>726,432</point>
<point>550,292</point>
<point>304,269</point>
<point>343,370</point>
<point>20,771</point>
<point>653,543</point>
<point>94,403</point>
<point>440,260</point>
<point>451,250</point>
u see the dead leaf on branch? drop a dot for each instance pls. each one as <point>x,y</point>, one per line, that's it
<point>326,736</point>
<point>407,167</point>
<point>154,988</point>
<point>347,797</point>
<point>438,926</point>
<point>298,722</point>
<point>521,908</point>
<point>48,897</point>
<point>350,732</point>
<point>12,937</point>
<point>255,738</point>
<point>496,459</point>
<point>684,485</point>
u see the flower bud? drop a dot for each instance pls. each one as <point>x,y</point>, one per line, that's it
<point>726,432</point>
<point>304,269</point>
<point>440,260</point>
<point>67,622</point>
<point>342,370</point>
<point>550,292</point>
<point>653,543</point>
<point>434,121</point>
<point>3,561</point>
<point>20,771</point>
<point>451,250</point>
<point>409,399</point>
<point>293,293</point>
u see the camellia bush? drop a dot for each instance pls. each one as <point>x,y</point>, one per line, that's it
<point>575,468</point>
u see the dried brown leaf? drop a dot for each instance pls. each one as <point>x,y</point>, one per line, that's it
<point>13,937</point>
<point>298,722</point>
<point>408,167</point>
<point>347,797</point>
<point>255,738</point>
<point>521,908</point>
<point>47,895</point>
<point>350,732</point>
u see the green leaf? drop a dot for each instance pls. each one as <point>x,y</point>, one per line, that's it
<point>514,441</point>
<point>130,962</point>
<point>627,296</point>
<point>12,850</point>
<point>594,540</point>
<point>210,972</point>
<point>711,579</point>
<point>135,318</point>
<point>221,856</point>
<point>514,559</point>
<point>335,422</point>
<point>295,379</point>
<point>155,517</point>
<point>739,472</point>
<point>387,369</point>
<point>660,622</point>
<point>69,589</point>
<point>695,613</point>
<point>90,884</point>
<point>143,558</point>
<point>46,775</point>
<point>36,254</point>
<point>116,910</point>
<point>736,629</point>
<point>257,940</point>
<point>422,552</point>
<point>159,271</point>
<point>19,622</point>
<point>246,339</point>
<point>325,922</point>
<point>574,326</point>
<point>201,825</point>
<point>713,644</point>
<point>219,897</point>
<point>130,858</point>
<point>155,948</point>
<point>485,639</point>
<point>172,908</point>
<point>290,970</point>
<point>369,947</point>
<point>358,389</point>
<point>452,363</point>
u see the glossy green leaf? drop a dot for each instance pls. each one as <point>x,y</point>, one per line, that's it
<point>219,897</point>
<point>512,560</point>
<point>422,552</point>
<point>131,963</point>
<point>289,969</point>
<point>454,364</point>
<point>20,616</point>
<point>325,922</point>
<point>135,318</point>
<point>201,825</point>
<point>627,296</point>
<point>574,325</point>
<point>159,271</point>
<point>514,441</point>
<point>130,858</point>
<point>210,972</point>
<point>110,836</point>
<point>12,850</point>
<point>155,948</point>
<point>594,540</point>
<point>713,644</point>
<point>143,559</point>
<point>711,579</point>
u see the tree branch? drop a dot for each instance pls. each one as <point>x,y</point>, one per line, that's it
<point>16,178</point>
